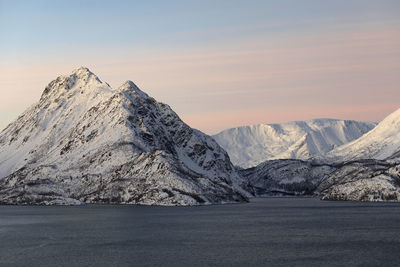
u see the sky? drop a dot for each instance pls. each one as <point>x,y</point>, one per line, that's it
<point>218,64</point>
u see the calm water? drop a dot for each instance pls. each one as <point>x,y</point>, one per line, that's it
<point>265,232</point>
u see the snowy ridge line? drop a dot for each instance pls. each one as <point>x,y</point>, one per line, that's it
<point>383,142</point>
<point>249,146</point>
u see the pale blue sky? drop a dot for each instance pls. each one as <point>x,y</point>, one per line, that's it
<point>201,56</point>
<point>39,26</point>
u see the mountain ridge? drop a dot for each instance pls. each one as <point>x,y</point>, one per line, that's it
<point>382,142</point>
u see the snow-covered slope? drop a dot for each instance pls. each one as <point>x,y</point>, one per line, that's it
<point>383,142</point>
<point>61,105</point>
<point>360,180</point>
<point>84,142</point>
<point>286,177</point>
<point>248,146</point>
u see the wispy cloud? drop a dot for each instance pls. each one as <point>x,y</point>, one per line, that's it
<point>351,72</point>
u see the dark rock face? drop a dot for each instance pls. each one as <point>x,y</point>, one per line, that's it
<point>151,178</point>
<point>287,177</point>
<point>361,180</point>
<point>95,145</point>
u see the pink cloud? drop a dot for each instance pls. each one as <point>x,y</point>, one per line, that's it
<point>345,74</point>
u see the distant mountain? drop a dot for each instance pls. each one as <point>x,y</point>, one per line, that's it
<point>366,169</point>
<point>249,146</point>
<point>383,142</point>
<point>85,142</point>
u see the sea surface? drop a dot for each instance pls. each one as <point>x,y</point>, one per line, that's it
<point>264,232</point>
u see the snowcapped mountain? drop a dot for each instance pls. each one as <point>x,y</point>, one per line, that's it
<point>366,169</point>
<point>249,146</point>
<point>383,142</point>
<point>85,142</point>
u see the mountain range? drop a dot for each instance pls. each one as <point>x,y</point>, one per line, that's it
<point>84,142</point>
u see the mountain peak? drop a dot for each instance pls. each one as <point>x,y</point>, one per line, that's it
<point>80,80</point>
<point>130,86</point>
<point>85,75</point>
<point>82,69</point>
<point>129,83</point>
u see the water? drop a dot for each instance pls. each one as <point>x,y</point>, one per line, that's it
<point>265,232</point>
